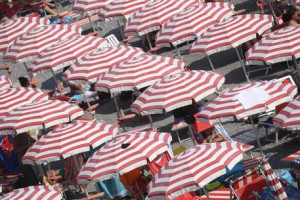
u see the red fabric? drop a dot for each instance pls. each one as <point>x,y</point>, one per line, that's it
<point>158,163</point>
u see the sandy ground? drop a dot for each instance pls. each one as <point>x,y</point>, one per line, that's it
<point>226,63</point>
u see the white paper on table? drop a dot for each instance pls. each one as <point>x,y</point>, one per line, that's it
<point>252,97</point>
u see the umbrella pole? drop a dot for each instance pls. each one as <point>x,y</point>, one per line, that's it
<point>256,136</point>
<point>93,27</point>
<point>206,193</point>
<point>192,135</point>
<point>148,39</point>
<point>7,72</point>
<point>210,63</point>
<point>243,64</point>
<point>295,64</point>
<point>87,101</point>
<point>178,53</point>
<point>120,29</point>
<point>116,104</point>
<point>56,82</point>
<point>273,13</point>
<point>137,185</point>
<point>151,121</point>
<point>26,67</point>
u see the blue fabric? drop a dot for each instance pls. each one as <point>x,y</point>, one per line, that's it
<point>9,162</point>
<point>285,175</point>
<point>295,164</point>
<point>292,193</point>
<point>65,20</point>
<point>235,172</point>
<point>112,188</point>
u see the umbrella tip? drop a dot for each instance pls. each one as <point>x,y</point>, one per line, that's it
<point>125,145</point>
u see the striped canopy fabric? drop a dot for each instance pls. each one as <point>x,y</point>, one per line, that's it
<point>68,140</point>
<point>89,7</point>
<point>89,67</point>
<point>38,192</point>
<point>14,28</point>
<point>4,82</point>
<point>288,117</point>
<point>28,45</point>
<point>137,73</point>
<point>276,47</point>
<point>273,182</point>
<point>292,157</point>
<point>231,33</point>
<point>195,168</point>
<point>191,22</point>
<point>228,106</point>
<point>66,52</point>
<point>124,153</point>
<point>16,97</point>
<point>177,90</point>
<point>120,9</point>
<point>39,115</point>
<point>153,15</point>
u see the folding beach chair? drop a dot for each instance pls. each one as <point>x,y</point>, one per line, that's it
<point>112,40</point>
<point>242,188</point>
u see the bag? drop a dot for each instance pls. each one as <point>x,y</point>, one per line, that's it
<point>286,176</point>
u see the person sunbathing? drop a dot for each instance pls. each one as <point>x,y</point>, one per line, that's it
<point>18,5</point>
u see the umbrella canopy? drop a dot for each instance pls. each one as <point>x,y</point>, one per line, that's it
<point>65,52</point>
<point>231,33</point>
<point>39,115</point>
<point>14,28</point>
<point>120,9</point>
<point>137,73</point>
<point>15,97</point>
<point>274,182</point>
<point>153,15</point>
<point>124,153</point>
<point>195,167</point>
<point>288,118</point>
<point>68,140</point>
<point>248,100</point>
<point>4,82</point>
<point>280,45</point>
<point>38,192</point>
<point>89,67</point>
<point>28,45</point>
<point>89,7</point>
<point>177,90</point>
<point>192,21</point>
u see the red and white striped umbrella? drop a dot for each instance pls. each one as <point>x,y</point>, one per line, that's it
<point>65,52</point>
<point>28,45</point>
<point>177,90</point>
<point>192,21</point>
<point>274,182</point>
<point>68,140</point>
<point>39,115</point>
<point>124,153</point>
<point>153,15</point>
<point>4,82</point>
<point>247,100</point>
<point>231,33</point>
<point>137,73</point>
<point>288,118</point>
<point>38,192</point>
<point>195,167</point>
<point>120,9</point>
<point>14,28</point>
<point>89,67</point>
<point>15,97</point>
<point>89,7</point>
<point>280,45</point>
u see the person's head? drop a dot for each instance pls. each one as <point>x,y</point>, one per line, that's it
<point>290,14</point>
<point>24,82</point>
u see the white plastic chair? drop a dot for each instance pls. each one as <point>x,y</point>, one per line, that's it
<point>112,40</point>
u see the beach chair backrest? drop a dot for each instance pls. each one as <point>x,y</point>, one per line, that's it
<point>220,129</point>
<point>112,40</point>
<point>252,163</point>
<point>245,179</point>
